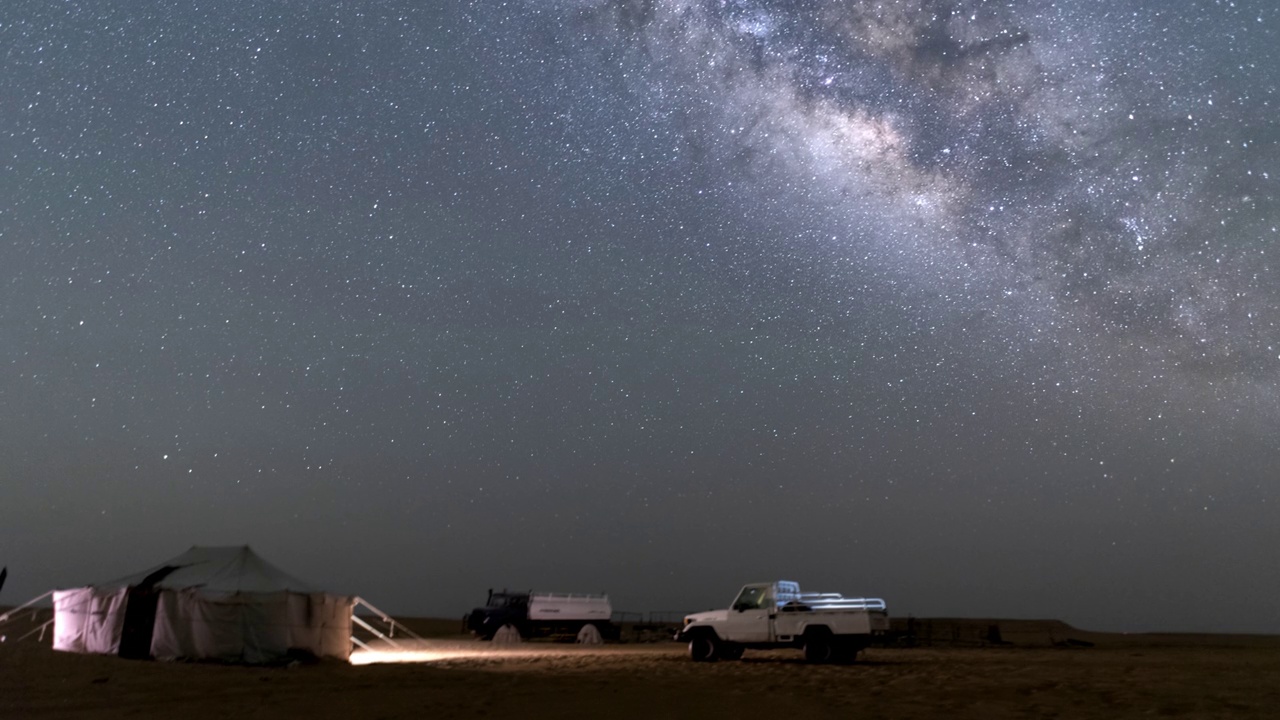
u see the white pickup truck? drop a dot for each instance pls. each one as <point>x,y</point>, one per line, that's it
<point>827,626</point>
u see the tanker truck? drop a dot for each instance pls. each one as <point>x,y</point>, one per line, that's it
<point>514,616</point>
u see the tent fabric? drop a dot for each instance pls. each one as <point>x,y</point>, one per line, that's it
<point>251,627</point>
<point>88,620</point>
<point>216,570</point>
<point>210,603</point>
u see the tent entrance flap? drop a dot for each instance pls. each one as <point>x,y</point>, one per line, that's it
<point>140,615</point>
<point>139,623</point>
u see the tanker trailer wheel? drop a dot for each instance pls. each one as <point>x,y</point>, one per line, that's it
<point>704,647</point>
<point>590,635</point>
<point>507,635</point>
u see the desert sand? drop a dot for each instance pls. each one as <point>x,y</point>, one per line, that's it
<point>1027,675</point>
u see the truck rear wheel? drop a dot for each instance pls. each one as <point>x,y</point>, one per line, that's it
<point>846,651</point>
<point>818,648</point>
<point>704,648</point>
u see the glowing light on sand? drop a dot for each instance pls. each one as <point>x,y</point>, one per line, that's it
<point>406,653</point>
<point>370,657</point>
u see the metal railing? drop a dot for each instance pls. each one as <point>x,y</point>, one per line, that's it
<point>386,633</point>
<point>12,615</point>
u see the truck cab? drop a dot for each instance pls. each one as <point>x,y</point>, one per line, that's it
<point>749,617</point>
<point>501,608</point>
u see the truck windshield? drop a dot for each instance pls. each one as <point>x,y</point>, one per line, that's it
<point>752,597</point>
<point>504,600</point>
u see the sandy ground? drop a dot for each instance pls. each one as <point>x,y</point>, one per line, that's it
<point>1119,677</point>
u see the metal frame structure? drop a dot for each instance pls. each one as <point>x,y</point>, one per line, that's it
<point>11,614</point>
<point>386,634</point>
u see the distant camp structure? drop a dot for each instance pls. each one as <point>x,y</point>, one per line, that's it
<point>209,603</point>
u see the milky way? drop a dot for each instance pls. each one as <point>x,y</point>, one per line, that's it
<point>1100,184</point>
<point>969,304</point>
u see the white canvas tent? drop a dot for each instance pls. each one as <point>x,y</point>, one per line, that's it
<point>209,603</point>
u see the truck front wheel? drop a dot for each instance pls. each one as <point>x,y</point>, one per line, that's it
<point>507,635</point>
<point>704,648</point>
<point>731,651</point>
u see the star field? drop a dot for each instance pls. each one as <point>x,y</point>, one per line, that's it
<point>968,304</point>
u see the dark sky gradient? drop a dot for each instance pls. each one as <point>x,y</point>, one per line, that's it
<point>970,305</point>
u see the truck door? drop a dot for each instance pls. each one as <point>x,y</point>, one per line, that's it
<point>751,615</point>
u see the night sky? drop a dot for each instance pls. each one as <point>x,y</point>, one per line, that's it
<point>973,306</point>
